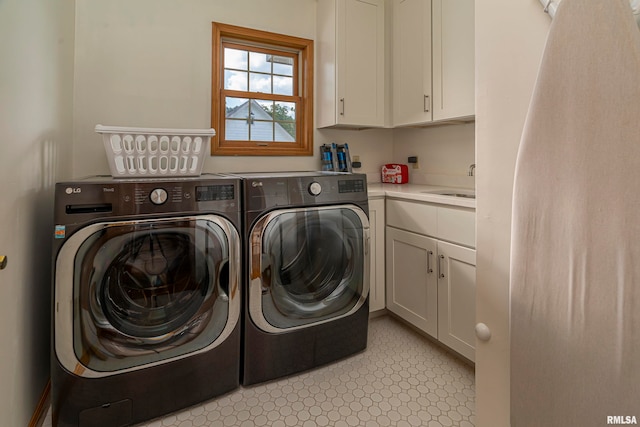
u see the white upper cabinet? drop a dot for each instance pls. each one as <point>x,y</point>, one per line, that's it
<point>351,62</point>
<point>433,61</point>
<point>453,49</point>
<point>411,62</point>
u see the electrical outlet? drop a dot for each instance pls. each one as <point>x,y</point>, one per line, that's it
<point>355,162</point>
<point>414,162</point>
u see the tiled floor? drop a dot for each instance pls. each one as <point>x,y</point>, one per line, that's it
<point>400,380</point>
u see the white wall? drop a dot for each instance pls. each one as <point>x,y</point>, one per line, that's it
<point>510,37</point>
<point>36,86</point>
<point>148,63</point>
<point>444,153</point>
<point>373,146</point>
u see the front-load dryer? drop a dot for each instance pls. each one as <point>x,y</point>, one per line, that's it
<point>146,297</point>
<point>307,265</point>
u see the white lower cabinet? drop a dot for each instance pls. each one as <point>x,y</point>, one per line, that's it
<point>412,284</point>
<point>376,246</point>
<point>430,282</point>
<point>457,298</point>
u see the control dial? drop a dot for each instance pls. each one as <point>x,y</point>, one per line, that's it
<point>315,188</point>
<point>158,196</point>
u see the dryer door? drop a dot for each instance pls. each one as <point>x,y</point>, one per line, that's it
<point>130,294</point>
<point>308,266</point>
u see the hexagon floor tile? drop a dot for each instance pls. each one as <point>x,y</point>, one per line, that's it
<point>401,379</point>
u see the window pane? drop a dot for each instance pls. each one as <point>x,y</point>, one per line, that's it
<point>285,131</point>
<point>261,131</point>
<point>236,130</point>
<point>235,80</point>
<point>236,108</point>
<point>266,112</point>
<point>284,69</point>
<point>282,85</point>
<point>258,62</point>
<point>282,64</point>
<point>259,83</point>
<point>285,116</point>
<point>285,111</point>
<point>234,58</point>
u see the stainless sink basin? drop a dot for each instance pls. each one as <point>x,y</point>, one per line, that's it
<point>452,193</point>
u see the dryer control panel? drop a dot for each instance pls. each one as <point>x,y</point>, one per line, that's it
<point>327,189</point>
<point>306,189</point>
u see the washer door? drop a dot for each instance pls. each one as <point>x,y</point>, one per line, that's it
<point>308,266</point>
<point>130,294</point>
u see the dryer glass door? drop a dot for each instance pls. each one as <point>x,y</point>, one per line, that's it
<point>146,291</point>
<point>308,266</point>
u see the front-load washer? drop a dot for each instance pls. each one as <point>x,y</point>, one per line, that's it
<point>307,271</point>
<point>146,297</point>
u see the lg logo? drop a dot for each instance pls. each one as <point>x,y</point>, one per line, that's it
<point>72,190</point>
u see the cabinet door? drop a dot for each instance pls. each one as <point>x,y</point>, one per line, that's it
<point>376,275</point>
<point>411,62</point>
<point>453,59</point>
<point>360,63</point>
<point>350,53</point>
<point>412,285</point>
<point>457,298</point>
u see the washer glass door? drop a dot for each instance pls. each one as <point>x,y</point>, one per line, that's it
<point>308,266</point>
<point>146,291</point>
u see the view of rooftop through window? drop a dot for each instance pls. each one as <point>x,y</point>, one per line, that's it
<point>252,118</point>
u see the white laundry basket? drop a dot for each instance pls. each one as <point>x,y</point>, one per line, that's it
<point>154,152</point>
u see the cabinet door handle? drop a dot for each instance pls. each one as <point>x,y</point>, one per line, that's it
<point>342,106</point>
<point>427,104</point>
<point>429,269</point>
<point>440,269</point>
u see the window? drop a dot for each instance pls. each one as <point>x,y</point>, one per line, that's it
<point>262,93</point>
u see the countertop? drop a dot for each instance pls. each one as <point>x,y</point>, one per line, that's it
<point>420,193</point>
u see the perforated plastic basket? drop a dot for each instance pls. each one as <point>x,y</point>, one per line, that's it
<point>154,152</point>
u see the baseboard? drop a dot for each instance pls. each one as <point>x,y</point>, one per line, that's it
<point>41,410</point>
<point>377,313</point>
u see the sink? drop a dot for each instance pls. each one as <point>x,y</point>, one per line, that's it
<point>452,193</point>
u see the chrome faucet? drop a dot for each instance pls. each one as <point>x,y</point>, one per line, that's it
<point>472,169</point>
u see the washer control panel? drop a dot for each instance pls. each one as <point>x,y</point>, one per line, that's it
<point>103,197</point>
<point>158,196</point>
